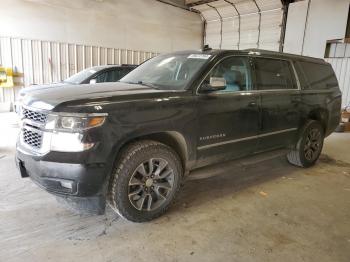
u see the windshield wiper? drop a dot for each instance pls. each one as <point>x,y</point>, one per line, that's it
<point>143,84</point>
<point>148,84</point>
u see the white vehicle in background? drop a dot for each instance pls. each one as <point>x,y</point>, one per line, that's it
<point>92,75</point>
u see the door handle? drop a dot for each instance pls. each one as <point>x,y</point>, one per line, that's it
<point>252,104</point>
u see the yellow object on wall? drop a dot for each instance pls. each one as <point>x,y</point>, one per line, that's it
<point>6,77</point>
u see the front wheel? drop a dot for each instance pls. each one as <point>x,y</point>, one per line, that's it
<point>309,145</point>
<point>145,181</point>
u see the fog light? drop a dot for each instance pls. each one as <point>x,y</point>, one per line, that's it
<point>68,142</point>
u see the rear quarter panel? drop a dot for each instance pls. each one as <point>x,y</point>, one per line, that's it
<point>320,93</point>
<point>319,101</point>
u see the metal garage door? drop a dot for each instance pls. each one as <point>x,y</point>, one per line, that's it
<point>42,62</point>
<point>241,24</point>
<point>338,56</point>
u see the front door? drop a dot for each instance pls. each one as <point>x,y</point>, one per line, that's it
<point>280,102</point>
<point>228,120</point>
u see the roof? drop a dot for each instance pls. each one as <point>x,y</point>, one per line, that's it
<point>286,55</point>
<point>255,50</point>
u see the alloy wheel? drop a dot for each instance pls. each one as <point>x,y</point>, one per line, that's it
<point>151,184</point>
<point>313,144</point>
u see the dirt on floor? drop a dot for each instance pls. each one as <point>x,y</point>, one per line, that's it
<point>268,211</point>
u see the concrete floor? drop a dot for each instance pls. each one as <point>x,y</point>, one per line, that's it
<point>270,211</point>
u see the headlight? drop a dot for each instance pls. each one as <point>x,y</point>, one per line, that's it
<point>67,133</point>
<point>78,123</point>
<point>64,132</point>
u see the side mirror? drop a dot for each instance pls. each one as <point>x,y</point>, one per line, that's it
<point>215,84</point>
<point>93,81</point>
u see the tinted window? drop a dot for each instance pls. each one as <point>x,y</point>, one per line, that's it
<point>319,76</point>
<point>116,74</point>
<point>273,74</point>
<point>113,75</point>
<point>101,78</point>
<point>124,71</point>
<point>236,72</point>
<point>301,76</point>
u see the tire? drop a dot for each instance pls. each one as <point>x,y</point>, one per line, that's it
<point>309,145</point>
<point>145,181</point>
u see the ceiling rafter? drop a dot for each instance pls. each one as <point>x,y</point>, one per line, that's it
<point>200,2</point>
<point>192,3</point>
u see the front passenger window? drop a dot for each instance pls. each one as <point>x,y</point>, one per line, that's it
<point>235,71</point>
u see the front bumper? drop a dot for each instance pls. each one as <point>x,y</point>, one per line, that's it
<point>63,179</point>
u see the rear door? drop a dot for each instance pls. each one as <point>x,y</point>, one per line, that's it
<point>280,102</point>
<point>228,120</point>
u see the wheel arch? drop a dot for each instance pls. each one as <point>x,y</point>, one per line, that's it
<point>173,139</point>
<point>321,115</point>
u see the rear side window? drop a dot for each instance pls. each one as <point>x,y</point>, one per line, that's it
<point>116,74</point>
<point>273,74</point>
<point>301,76</point>
<point>101,78</point>
<point>113,76</point>
<point>124,71</point>
<point>318,76</point>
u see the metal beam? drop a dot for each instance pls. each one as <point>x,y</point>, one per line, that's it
<point>239,22</point>
<point>175,4</point>
<point>284,24</point>
<point>220,23</point>
<point>200,2</point>
<point>259,27</point>
<point>305,26</point>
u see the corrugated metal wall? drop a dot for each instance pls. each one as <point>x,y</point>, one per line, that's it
<point>339,58</point>
<point>41,62</point>
<point>242,24</point>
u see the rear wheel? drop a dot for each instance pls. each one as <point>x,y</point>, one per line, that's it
<point>145,181</point>
<point>309,145</point>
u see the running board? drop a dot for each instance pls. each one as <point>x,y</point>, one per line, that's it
<point>215,169</point>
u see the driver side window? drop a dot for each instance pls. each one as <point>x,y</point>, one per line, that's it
<point>235,71</point>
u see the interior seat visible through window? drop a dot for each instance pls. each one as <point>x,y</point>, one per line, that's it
<point>235,71</point>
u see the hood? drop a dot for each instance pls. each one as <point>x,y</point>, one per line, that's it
<point>49,98</point>
<point>25,91</point>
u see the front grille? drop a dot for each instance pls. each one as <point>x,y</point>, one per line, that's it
<point>34,116</point>
<point>32,138</point>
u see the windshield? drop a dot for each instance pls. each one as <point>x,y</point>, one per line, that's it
<point>172,71</point>
<point>81,76</point>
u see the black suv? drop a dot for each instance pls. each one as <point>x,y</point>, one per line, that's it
<point>131,143</point>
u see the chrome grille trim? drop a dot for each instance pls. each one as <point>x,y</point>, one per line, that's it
<point>34,116</point>
<point>32,137</point>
